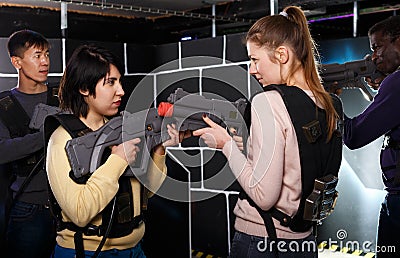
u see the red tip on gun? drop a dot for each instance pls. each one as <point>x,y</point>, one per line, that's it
<point>165,109</point>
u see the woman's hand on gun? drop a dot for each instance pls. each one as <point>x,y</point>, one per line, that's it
<point>174,139</point>
<point>127,150</point>
<point>214,136</point>
<point>236,138</point>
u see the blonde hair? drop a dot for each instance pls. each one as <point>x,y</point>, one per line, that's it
<point>291,28</point>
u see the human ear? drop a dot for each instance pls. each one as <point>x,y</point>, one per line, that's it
<point>85,93</point>
<point>282,54</point>
<point>16,62</point>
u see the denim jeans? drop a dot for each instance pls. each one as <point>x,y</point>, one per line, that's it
<point>247,246</point>
<point>389,228</point>
<point>134,252</point>
<point>31,231</point>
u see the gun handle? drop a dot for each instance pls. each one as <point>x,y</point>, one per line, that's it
<point>365,91</point>
<point>241,133</point>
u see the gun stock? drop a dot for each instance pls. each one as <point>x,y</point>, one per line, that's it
<point>85,153</point>
<point>40,112</point>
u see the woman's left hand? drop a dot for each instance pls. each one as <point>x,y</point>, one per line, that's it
<point>174,138</point>
<point>172,141</point>
<point>214,136</point>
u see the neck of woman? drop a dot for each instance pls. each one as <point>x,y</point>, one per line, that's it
<point>94,122</point>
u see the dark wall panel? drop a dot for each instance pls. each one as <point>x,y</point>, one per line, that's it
<point>116,48</point>
<point>229,82</point>
<point>217,173</point>
<point>139,93</point>
<point>5,64</point>
<point>167,57</point>
<point>235,48</point>
<point>202,52</point>
<point>167,224</point>
<point>140,58</point>
<point>7,83</point>
<point>205,235</point>
<point>56,56</point>
<point>169,82</point>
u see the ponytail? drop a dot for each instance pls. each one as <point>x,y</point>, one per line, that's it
<point>290,27</point>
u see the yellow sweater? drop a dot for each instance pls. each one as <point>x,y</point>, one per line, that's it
<point>82,203</point>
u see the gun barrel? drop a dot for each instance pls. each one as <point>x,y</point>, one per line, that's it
<point>349,75</point>
<point>187,110</point>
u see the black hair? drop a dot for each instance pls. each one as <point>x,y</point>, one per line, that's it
<point>388,27</point>
<point>22,40</point>
<point>87,65</point>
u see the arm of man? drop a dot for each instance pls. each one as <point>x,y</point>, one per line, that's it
<point>378,118</point>
<point>19,147</point>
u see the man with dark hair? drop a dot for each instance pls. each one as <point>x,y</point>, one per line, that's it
<point>30,231</point>
<point>380,118</point>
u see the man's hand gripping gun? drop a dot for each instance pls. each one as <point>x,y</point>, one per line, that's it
<point>85,153</point>
<point>349,75</point>
<point>187,110</point>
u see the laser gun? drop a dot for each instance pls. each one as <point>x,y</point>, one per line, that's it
<point>40,112</point>
<point>187,110</point>
<point>85,153</point>
<point>349,75</point>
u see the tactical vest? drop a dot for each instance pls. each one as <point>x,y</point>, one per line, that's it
<point>118,213</point>
<point>390,143</point>
<point>17,121</point>
<point>319,159</point>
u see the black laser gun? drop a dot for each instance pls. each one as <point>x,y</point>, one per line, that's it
<point>40,112</point>
<point>187,110</point>
<point>85,153</point>
<point>349,75</point>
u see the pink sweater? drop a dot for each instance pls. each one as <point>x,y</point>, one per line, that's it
<point>271,173</point>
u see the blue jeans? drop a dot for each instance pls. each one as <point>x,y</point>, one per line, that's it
<point>134,252</point>
<point>247,246</point>
<point>31,231</point>
<point>388,239</point>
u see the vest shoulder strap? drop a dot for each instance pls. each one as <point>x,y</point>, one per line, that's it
<point>13,115</point>
<point>72,124</point>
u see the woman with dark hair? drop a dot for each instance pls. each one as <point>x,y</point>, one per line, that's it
<point>91,90</point>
